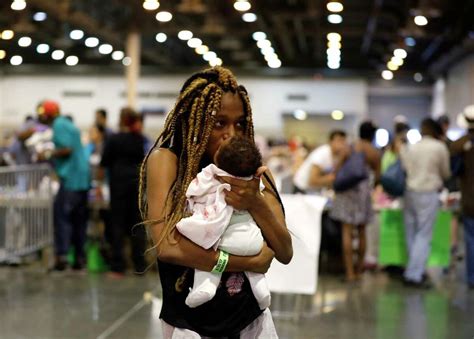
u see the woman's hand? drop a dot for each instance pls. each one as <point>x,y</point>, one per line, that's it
<point>244,193</point>
<point>263,260</point>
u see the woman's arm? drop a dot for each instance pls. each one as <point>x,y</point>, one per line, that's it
<point>162,167</point>
<point>266,211</point>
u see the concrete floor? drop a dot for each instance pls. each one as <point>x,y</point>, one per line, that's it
<point>35,304</point>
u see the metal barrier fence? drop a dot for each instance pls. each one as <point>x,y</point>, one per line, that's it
<point>26,210</point>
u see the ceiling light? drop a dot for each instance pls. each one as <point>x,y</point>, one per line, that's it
<point>382,137</point>
<point>249,17</point>
<point>151,5</point>
<point>42,48</point>
<point>257,36</point>
<point>264,43</point>
<point>72,60</point>
<point>274,63</point>
<point>267,50</point>
<point>118,55</point>
<point>215,62</point>
<point>418,77</point>
<point>194,42</point>
<point>337,114</point>
<point>334,7</point>
<point>334,44</point>
<point>127,61</point>
<point>397,61</point>
<point>387,75</point>
<point>202,49</point>
<point>92,42</point>
<point>400,53</point>
<point>300,114</point>
<point>16,60</point>
<point>18,5</point>
<point>161,37</point>
<point>105,49</point>
<point>164,16</point>
<point>7,34</point>
<point>332,59</point>
<point>334,65</point>
<point>392,66</point>
<point>270,57</point>
<point>409,41</point>
<point>242,5</point>
<point>185,35</point>
<point>334,36</point>
<point>208,56</point>
<point>40,16</point>
<point>420,20</point>
<point>57,55</point>
<point>3,54</point>
<point>413,136</point>
<point>333,52</point>
<point>334,18</point>
<point>76,34</point>
<point>24,41</point>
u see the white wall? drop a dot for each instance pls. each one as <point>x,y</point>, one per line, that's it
<point>19,95</point>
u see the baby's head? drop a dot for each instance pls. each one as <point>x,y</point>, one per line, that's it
<point>238,156</point>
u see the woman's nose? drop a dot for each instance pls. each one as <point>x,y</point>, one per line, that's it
<point>230,132</point>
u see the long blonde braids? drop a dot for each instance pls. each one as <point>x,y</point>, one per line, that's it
<point>194,112</point>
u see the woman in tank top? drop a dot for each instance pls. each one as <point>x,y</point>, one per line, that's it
<point>210,108</point>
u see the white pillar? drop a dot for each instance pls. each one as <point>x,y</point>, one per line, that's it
<point>132,72</point>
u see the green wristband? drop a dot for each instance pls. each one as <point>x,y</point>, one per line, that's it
<point>221,262</point>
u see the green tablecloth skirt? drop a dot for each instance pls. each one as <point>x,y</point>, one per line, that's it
<point>393,250</point>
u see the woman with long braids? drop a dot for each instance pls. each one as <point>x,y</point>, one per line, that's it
<point>211,108</point>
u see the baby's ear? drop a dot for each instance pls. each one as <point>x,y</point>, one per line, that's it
<point>260,171</point>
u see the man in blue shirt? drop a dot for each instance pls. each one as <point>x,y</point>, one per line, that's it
<point>72,168</point>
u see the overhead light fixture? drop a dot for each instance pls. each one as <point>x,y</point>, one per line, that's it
<point>242,5</point>
<point>72,60</point>
<point>382,137</point>
<point>387,75</point>
<point>271,56</point>
<point>334,44</point>
<point>264,44</point>
<point>409,41</point>
<point>300,114</point>
<point>334,19</point>
<point>18,5</point>
<point>202,49</point>
<point>335,7</point>
<point>24,41</point>
<point>57,54</point>
<point>392,66</point>
<point>208,56</point>
<point>257,36</point>
<point>127,61</point>
<point>40,16</point>
<point>7,34</point>
<point>3,54</point>
<point>400,53</point>
<point>249,17</point>
<point>333,52</point>
<point>151,5</point>
<point>194,42</point>
<point>118,55</point>
<point>334,36</point>
<point>161,37</point>
<point>337,114</point>
<point>267,50</point>
<point>105,49</point>
<point>397,61</point>
<point>274,63</point>
<point>164,16</point>
<point>418,77</point>
<point>333,65</point>
<point>185,35</point>
<point>92,42</point>
<point>16,60</point>
<point>420,20</point>
<point>413,136</point>
<point>42,48</point>
<point>76,34</point>
<point>215,62</point>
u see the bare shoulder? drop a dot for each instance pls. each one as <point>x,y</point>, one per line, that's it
<point>162,162</point>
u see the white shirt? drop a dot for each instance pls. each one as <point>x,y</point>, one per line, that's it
<point>321,157</point>
<point>426,164</point>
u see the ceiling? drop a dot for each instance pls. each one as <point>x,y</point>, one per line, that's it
<point>297,29</point>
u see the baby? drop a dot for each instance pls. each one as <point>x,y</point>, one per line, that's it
<point>215,224</point>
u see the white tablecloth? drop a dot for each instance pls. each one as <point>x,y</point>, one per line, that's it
<point>303,218</point>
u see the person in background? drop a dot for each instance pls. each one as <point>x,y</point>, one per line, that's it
<point>392,151</point>
<point>72,168</point>
<point>353,207</point>
<point>465,147</point>
<point>101,120</point>
<point>427,166</point>
<point>20,153</point>
<point>317,171</point>
<point>122,156</point>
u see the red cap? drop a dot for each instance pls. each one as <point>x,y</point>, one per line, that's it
<point>49,108</point>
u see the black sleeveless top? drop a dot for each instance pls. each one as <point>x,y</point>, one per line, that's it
<point>232,309</point>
